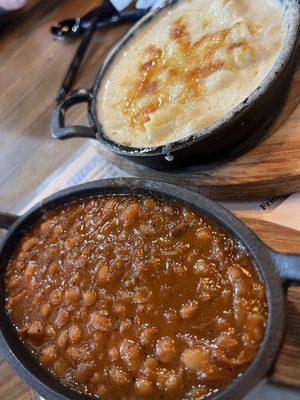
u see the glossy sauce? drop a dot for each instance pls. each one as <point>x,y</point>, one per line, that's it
<point>130,297</point>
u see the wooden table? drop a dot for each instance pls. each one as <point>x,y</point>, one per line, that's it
<point>32,65</point>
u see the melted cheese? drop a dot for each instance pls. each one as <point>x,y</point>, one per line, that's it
<point>187,68</point>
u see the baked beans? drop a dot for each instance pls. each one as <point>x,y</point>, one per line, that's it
<point>134,297</point>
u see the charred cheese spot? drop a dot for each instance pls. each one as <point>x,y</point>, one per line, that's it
<point>186,66</point>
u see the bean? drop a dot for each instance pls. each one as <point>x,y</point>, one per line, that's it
<point>46,226</point>
<point>254,329</point>
<point>89,297</point>
<point>96,378</point>
<point>188,309</point>
<point>148,335</point>
<point>206,290</point>
<point>168,381</point>
<point>170,316</point>
<point>80,353</point>
<point>144,386</point>
<point>59,367</point>
<point>101,322</point>
<point>107,227</point>
<point>58,230</point>
<point>113,354</point>
<point>101,390</point>
<point>125,325</point>
<point>123,236</point>
<point>198,393</point>
<point>175,251</point>
<point>22,256</point>
<point>72,295</point>
<point>50,332</point>
<point>74,334</point>
<point>204,236</point>
<point>142,295</point>
<point>120,309</point>
<point>29,271</point>
<point>244,357</point>
<point>150,363</point>
<point>227,297</point>
<point>239,281</point>
<point>53,268</point>
<point>109,207</point>
<point>172,382</point>
<point>13,282</point>
<point>168,210</point>
<point>147,230</point>
<point>55,297</point>
<point>188,216</point>
<point>84,372</point>
<point>62,339</point>
<point>228,343</point>
<point>62,318</point>
<point>177,229</point>
<point>116,269</point>
<point>72,242</point>
<point>9,303</point>
<point>20,265</point>
<point>200,360</point>
<point>192,256</point>
<point>118,375</point>
<point>243,288</point>
<point>23,329</point>
<point>46,310</point>
<point>201,267</point>
<point>165,349</point>
<point>131,354</point>
<point>36,329</point>
<point>90,205</point>
<point>102,273</point>
<point>240,311</point>
<point>235,273</point>
<point>259,292</point>
<point>98,337</point>
<point>75,279</point>
<point>48,355</point>
<point>129,215</point>
<point>28,244</point>
<point>149,203</point>
<point>19,297</point>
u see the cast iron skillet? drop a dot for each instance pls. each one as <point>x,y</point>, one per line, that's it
<point>221,136</point>
<point>275,269</point>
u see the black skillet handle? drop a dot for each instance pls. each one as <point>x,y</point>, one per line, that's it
<point>6,220</point>
<point>58,128</point>
<point>287,367</point>
<point>288,266</point>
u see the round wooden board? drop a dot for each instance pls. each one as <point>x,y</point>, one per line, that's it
<point>287,366</point>
<point>271,167</point>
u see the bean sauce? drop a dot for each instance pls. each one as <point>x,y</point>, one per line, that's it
<point>133,297</point>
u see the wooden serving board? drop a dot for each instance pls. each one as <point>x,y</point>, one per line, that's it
<point>271,167</point>
<point>285,240</point>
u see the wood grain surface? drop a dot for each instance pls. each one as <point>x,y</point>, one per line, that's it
<point>272,165</point>
<point>32,65</point>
